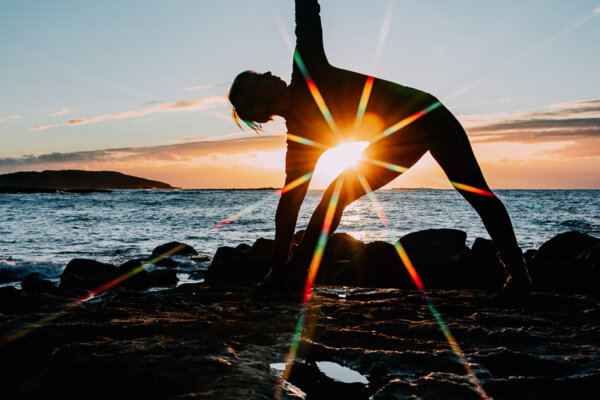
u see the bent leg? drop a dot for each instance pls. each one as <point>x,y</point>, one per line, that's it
<point>370,174</point>
<point>452,150</point>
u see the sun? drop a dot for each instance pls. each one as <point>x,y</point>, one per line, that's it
<point>338,159</point>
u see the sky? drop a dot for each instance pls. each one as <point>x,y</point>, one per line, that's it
<point>139,86</point>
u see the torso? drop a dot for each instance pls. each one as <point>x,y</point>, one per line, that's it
<point>341,90</point>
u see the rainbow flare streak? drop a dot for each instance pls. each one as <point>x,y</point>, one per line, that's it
<point>457,185</point>
<point>440,321</point>
<point>312,273</point>
<point>407,121</point>
<point>296,182</point>
<point>472,189</point>
<point>364,100</point>
<point>308,142</point>
<point>390,166</point>
<point>24,330</point>
<point>371,195</point>
<point>314,91</point>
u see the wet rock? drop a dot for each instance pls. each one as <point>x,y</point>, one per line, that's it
<point>33,283</point>
<point>262,248</point>
<point>139,279</point>
<point>245,247</point>
<point>6,275</point>
<point>142,278</point>
<point>231,265</point>
<point>566,247</point>
<point>435,254</point>
<point>174,248</point>
<point>377,264</point>
<point>342,246</point>
<point>86,274</point>
<point>568,261</point>
<point>480,268</point>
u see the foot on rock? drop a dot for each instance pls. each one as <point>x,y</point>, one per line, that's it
<point>517,283</point>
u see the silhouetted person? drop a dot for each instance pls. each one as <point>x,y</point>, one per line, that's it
<point>257,97</point>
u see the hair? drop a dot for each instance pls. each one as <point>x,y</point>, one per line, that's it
<point>243,103</point>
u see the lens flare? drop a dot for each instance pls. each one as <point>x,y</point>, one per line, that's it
<point>440,321</point>
<point>314,91</point>
<point>407,121</point>
<point>308,142</point>
<point>24,330</point>
<point>371,195</point>
<point>310,279</point>
<point>472,189</point>
<point>457,185</point>
<point>296,182</point>
<point>364,100</point>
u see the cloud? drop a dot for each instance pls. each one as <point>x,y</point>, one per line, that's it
<point>199,104</point>
<point>61,112</point>
<point>9,118</point>
<point>564,122</point>
<point>189,89</point>
<point>184,105</point>
<point>42,127</point>
<point>183,152</point>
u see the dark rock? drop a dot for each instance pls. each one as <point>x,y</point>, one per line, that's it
<point>566,247</point>
<point>245,247</point>
<point>144,279</point>
<point>433,245</point>
<point>377,264</point>
<point>234,265</point>
<point>162,277</point>
<point>86,274</point>
<point>342,246</point>
<point>262,248</point>
<point>174,248</point>
<point>33,283</point>
<point>568,261</point>
<point>166,263</point>
<point>139,280</point>
<point>480,268</point>
<point>6,275</point>
<point>435,253</point>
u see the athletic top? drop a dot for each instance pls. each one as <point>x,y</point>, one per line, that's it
<point>341,91</point>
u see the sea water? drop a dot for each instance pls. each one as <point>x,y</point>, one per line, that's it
<point>42,232</point>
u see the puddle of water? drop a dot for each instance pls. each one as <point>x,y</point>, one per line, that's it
<point>278,366</point>
<point>340,373</point>
<point>182,278</point>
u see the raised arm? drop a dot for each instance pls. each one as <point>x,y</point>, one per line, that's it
<point>309,33</point>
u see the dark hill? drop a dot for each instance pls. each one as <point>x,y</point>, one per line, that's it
<point>76,180</point>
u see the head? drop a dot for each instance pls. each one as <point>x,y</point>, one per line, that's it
<point>257,97</point>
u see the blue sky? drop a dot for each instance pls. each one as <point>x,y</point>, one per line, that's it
<point>126,67</point>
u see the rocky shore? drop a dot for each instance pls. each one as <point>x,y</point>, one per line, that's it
<point>223,339</point>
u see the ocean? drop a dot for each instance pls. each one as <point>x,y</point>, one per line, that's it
<point>42,232</point>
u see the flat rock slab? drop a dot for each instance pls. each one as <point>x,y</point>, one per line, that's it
<point>197,342</point>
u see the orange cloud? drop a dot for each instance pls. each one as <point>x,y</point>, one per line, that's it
<point>9,118</point>
<point>61,112</point>
<point>185,105</point>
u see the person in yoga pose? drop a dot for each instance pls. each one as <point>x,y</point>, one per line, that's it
<point>323,106</point>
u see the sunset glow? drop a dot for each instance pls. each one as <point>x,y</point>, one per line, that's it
<point>334,161</point>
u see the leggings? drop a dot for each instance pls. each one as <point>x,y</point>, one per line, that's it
<point>440,133</point>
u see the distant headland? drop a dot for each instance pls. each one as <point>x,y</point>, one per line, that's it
<point>74,181</point>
